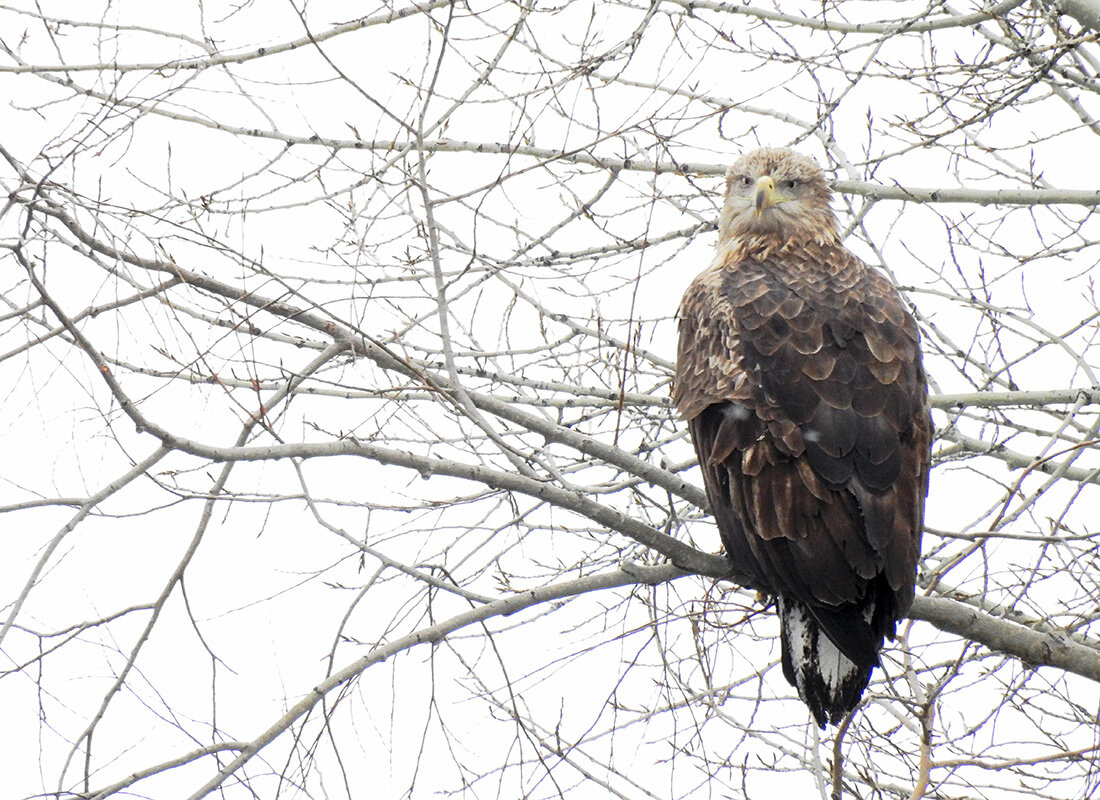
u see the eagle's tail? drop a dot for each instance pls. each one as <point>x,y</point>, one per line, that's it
<point>830,679</point>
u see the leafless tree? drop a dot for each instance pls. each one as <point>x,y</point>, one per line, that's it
<point>338,459</point>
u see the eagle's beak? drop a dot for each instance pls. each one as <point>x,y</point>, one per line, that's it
<point>766,194</point>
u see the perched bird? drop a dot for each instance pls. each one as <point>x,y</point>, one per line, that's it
<point>799,373</point>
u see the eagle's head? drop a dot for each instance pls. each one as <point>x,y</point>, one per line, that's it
<point>775,196</point>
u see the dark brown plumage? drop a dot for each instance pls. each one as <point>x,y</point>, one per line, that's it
<point>799,374</point>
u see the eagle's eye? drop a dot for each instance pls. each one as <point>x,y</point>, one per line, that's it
<point>744,180</point>
<point>790,183</point>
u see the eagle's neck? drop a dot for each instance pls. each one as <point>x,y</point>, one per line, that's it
<point>763,246</point>
<point>746,234</point>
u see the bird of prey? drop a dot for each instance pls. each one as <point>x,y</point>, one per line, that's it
<point>799,373</point>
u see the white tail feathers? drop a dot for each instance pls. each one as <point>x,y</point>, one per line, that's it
<point>828,681</point>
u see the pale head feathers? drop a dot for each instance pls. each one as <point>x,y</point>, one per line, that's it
<point>775,197</point>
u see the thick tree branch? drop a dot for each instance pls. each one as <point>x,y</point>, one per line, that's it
<point>1086,12</point>
<point>1035,648</point>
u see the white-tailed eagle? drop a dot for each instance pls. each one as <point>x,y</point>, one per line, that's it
<point>799,373</point>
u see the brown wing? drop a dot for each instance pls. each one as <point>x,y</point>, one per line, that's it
<point>800,377</point>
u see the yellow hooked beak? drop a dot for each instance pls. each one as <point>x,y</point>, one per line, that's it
<point>766,195</point>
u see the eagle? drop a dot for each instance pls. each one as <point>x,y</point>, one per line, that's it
<point>799,374</point>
